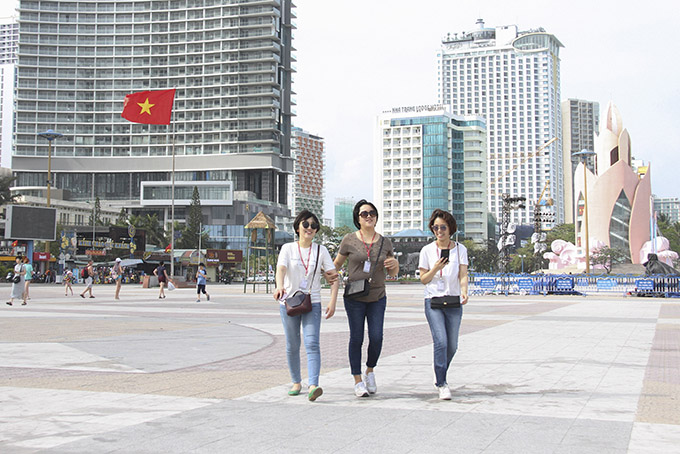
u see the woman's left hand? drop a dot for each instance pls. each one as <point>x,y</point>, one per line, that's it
<point>391,263</point>
<point>463,298</point>
<point>330,310</point>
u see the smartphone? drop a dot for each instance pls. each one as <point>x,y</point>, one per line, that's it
<point>445,254</point>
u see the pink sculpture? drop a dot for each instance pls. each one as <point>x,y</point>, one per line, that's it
<point>618,196</point>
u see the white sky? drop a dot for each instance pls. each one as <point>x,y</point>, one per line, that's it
<point>357,58</point>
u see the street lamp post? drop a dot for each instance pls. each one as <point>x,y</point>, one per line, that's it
<point>50,135</point>
<point>584,155</point>
<point>521,256</point>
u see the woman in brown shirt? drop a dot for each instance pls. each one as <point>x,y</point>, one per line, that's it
<point>367,260</point>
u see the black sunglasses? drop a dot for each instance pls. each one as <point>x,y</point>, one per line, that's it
<point>439,227</point>
<point>313,225</point>
<point>365,214</point>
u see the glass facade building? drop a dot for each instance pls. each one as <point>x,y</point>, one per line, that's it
<point>429,159</point>
<point>230,61</point>
<point>580,124</point>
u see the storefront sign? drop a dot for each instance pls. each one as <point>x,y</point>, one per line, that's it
<point>214,257</point>
<point>41,256</point>
<point>95,252</point>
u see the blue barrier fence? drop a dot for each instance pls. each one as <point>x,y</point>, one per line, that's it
<point>573,284</point>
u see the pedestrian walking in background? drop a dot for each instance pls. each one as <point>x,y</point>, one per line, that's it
<point>28,277</point>
<point>201,282</point>
<point>117,276</point>
<point>443,269</point>
<point>369,255</point>
<point>68,282</point>
<point>161,273</point>
<point>18,282</point>
<point>299,267</point>
<point>88,275</point>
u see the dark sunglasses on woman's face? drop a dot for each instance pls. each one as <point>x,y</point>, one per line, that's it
<point>365,214</point>
<point>313,225</point>
<point>442,227</point>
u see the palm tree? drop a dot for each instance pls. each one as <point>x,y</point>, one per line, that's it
<point>6,195</point>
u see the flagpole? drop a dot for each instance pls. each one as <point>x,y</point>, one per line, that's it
<point>172,209</point>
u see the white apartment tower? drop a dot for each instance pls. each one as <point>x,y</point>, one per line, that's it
<point>231,63</point>
<point>9,38</point>
<point>580,123</point>
<point>426,158</point>
<point>307,191</point>
<point>512,79</point>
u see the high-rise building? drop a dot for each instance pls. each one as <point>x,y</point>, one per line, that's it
<point>307,191</point>
<point>9,37</point>
<point>512,79</point>
<point>426,158</point>
<point>580,123</point>
<point>668,206</point>
<point>231,63</point>
<point>343,212</point>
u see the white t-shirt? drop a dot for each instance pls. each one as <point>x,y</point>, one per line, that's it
<point>446,281</point>
<point>295,268</point>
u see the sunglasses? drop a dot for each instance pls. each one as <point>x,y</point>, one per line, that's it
<point>365,214</point>
<point>442,227</point>
<point>307,225</point>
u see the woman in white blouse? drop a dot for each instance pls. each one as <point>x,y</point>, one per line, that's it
<point>295,270</point>
<point>443,269</point>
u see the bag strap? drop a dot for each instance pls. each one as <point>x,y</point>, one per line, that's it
<point>370,277</point>
<point>318,257</point>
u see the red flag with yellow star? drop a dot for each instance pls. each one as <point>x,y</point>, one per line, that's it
<point>149,107</point>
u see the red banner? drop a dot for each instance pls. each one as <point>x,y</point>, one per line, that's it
<point>95,252</point>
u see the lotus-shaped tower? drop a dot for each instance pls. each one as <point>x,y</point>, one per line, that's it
<point>618,196</point>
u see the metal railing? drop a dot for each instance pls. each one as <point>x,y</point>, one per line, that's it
<point>573,284</point>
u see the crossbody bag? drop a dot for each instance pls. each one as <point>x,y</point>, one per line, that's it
<point>301,302</point>
<point>442,302</point>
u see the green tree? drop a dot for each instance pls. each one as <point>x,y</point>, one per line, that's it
<point>6,195</point>
<point>193,226</point>
<point>331,237</point>
<point>484,259</point>
<point>123,218</point>
<point>608,257</point>
<point>564,232</point>
<point>670,230</point>
<point>96,213</point>
<point>155,232</point>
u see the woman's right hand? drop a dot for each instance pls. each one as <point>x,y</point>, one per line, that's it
<point>440,264</point>
<point>278,293</point>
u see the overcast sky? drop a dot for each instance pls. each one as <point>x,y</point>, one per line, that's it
<point>359,57</point>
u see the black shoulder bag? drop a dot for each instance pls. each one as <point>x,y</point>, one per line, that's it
<point>301,302</point>
<point>360,288</point>
<point>441,302</point>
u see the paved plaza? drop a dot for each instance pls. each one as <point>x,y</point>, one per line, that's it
<point>553,374</point>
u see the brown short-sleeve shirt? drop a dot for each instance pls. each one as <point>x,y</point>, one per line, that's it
<point>355,251</point>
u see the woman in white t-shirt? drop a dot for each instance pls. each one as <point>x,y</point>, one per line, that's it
<point>444,277</point>
<point>294,270</point>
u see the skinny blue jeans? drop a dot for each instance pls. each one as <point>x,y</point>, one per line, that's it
<point>374,314</point>
<point>311,326</point>
<point>445,327</point>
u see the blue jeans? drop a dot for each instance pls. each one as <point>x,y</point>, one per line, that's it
<point>311,325</point>
<point>444,326</point>
<point>374,314</point>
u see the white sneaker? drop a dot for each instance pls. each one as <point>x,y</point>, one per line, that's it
<point>371,385</point>
<point>360,390</point>
<point>444,392</point>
